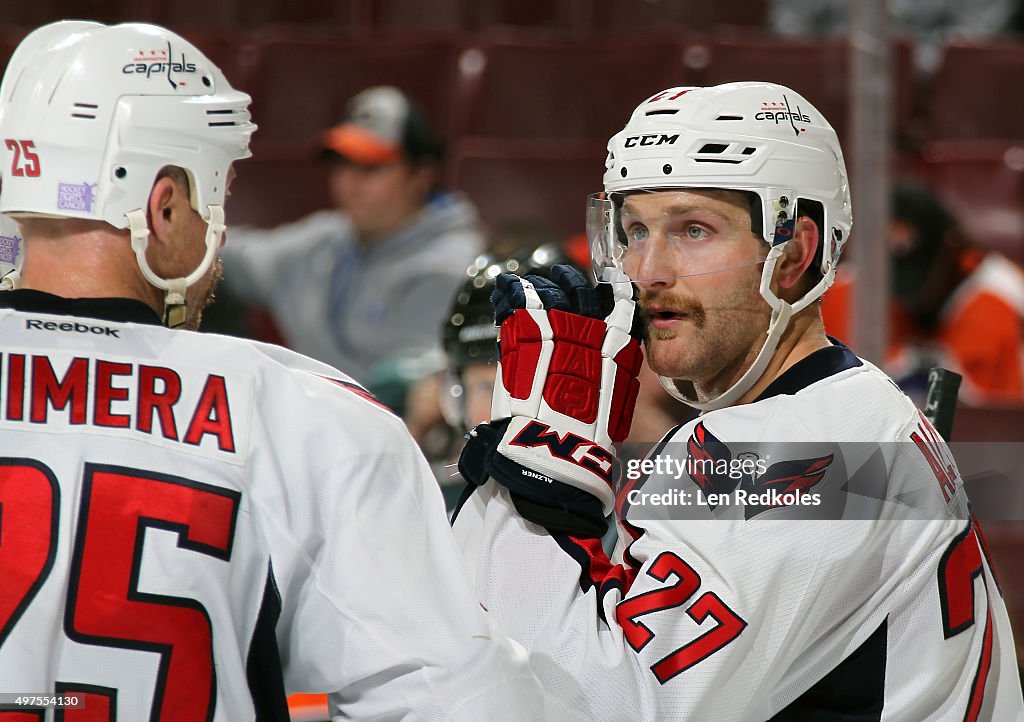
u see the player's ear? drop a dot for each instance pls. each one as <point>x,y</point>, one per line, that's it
<point>167,199</point>
<point>799,253</point>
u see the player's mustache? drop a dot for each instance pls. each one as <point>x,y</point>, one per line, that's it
<point>671,303</point>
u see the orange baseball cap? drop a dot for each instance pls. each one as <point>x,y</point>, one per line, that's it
<point>381,125</point>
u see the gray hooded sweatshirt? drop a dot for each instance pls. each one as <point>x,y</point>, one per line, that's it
<point>354,306</point>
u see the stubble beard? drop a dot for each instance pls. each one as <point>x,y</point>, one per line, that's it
<point>665,358</point>
<point>204,297</point>
<point>707,345</point>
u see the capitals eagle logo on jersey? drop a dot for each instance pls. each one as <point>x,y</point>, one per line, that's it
<point>708,457</point>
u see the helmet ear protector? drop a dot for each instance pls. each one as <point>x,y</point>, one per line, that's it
<point>98,111</point>
<point>762,139</point>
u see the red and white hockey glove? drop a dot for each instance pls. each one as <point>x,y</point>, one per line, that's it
<point>566,389</point>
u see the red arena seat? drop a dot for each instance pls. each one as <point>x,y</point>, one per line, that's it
<point>675,15</point>
<point>300,85</point>
<point>273,190</point>
<point>967,99</point>
<point>535,183</point>
<point>983,183</point>
<point>552,89</point>
<point>819,69</point>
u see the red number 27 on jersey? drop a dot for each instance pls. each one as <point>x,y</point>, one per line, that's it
<point>686,584</point>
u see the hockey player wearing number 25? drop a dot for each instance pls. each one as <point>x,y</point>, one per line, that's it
<point>193,526</point>
<point>724,214</point>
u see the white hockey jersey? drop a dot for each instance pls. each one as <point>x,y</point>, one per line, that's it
<point>835,575</point>
<point>192,526</point>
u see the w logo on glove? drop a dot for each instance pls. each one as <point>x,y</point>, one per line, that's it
<point>571,448</point>
<point>567,384</point>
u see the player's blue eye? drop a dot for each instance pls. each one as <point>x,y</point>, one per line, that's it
<point>695,232</point>
<point>638,232</point>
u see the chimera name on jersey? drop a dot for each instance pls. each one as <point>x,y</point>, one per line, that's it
<point>115,395</point>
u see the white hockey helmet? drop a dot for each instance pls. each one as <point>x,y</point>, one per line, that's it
<point>90,114</point>
<point>751,136</point>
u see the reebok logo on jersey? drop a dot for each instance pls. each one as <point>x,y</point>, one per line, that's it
<point>35,324</point>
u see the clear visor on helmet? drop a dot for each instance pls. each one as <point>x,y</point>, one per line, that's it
<point>660,234</point>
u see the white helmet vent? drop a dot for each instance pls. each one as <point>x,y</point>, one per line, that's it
<point>729,117</point>
<point>663,111</point>
<point>86,111</point>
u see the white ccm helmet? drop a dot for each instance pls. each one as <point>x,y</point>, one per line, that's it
<point>752,136</point>
<point>89,115</point>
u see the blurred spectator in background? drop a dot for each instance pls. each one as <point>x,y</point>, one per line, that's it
<point>410,384</point>
<point>367,281</point>
<point>928,22</point>
<point>953,304</point>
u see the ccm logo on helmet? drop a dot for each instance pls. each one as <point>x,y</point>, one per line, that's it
<point>653,139</point>
<point>572,448</point>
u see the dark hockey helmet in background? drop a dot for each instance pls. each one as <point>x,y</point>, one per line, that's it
<point>468,333</point>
